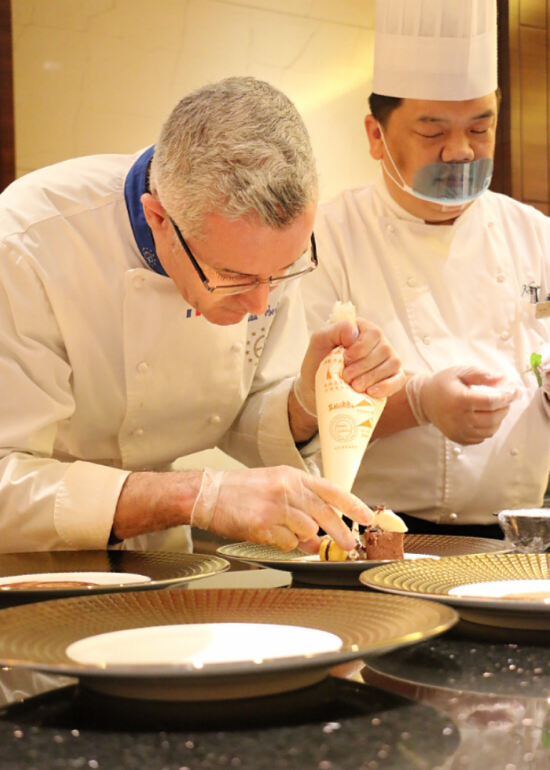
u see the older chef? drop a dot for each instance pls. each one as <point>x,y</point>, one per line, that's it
<point>449,271</point>
<point>147,311</point>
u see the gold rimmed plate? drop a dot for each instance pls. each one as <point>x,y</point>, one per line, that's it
<point>55,574</point>
<point>509,590</point>
<point>309,569</point>
<point>38,637</point>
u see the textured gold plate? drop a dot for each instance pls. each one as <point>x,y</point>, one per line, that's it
<point>164,569</point>
<point>430,579</point>
<point>37,636</point>
<point>309,569</point>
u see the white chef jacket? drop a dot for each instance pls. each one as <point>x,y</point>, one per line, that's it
<point>445,296</point>
<point>105,368</point>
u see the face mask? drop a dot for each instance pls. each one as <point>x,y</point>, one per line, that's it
<point>448,184</point>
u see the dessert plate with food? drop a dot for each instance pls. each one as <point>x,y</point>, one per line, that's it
<point>508,590</point>
<point>376,546</point>
<point>53,574</point>
<point>214,644</point>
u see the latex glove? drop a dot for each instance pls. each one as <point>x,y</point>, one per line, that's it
<point>466,404</point>
<point>372,365</point>
<point>279,506</point>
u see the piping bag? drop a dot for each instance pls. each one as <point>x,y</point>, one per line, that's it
<point>346,418</point>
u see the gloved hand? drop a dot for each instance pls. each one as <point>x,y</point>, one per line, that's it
<point>279,506</point>
<point>466,404</point>
<point>372,365</point>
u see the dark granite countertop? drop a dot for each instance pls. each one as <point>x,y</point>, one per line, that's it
<point>463,701</point>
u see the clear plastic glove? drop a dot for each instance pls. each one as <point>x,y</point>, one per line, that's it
<point>372,365</point>
<point>279,506</point>
<point>466,404</point>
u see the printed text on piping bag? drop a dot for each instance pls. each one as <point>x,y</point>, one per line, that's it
<point>346,418</point>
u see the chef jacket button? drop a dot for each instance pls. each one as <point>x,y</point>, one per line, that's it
<point>501,277</point>
<point>505,336</point>
<point>453,517</point>
<point>514,452</point>
<point>138,282</point>
<point>215,419</point>
<point>138,432</point>
<point>390,228</point>
<point>457,450</point>
<point>237,347</point>
<point>412,282</point>
<point>427,340</point>
<point>142,367</point>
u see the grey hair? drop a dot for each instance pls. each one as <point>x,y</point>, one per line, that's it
<point>238,148</point>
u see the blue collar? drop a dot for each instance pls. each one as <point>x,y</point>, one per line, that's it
<point>134,187</point>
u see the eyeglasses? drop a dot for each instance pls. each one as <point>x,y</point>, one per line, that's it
<point>308,258</point>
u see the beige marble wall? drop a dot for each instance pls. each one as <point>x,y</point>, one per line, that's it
<point>96,76</point>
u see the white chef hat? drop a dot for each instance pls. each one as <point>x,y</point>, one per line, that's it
<point>444,50</point>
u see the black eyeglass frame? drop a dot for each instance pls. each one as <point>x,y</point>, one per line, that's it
<point>239,288</point>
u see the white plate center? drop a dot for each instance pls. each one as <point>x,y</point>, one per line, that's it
<point>202,643</point>
<point>534,590</point>
<point>54,580</point>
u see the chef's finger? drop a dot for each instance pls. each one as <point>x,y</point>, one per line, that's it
<point>388,377</point>
<point>280,537</point>
<point>299,521</point>
<point>310,546</point>
<point>346,503</point>
<point>370,360</point>
<point>370,338</point>
<point>331,336</point>
<point>489,399</point>
<point>481,420</point>
<point>387,387</point>
<point>333,525</point>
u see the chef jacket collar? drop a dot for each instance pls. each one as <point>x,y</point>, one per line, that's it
<point>381,189</point>
<point>134,187</point>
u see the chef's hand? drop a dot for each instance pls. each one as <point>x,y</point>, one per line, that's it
<point>466,404</point>
<point>279,506</point>
<point>371,364</point>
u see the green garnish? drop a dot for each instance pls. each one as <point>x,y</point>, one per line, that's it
<point>536,361</point>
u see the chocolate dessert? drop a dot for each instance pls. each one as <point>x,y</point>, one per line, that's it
<point>377,543</point>
<point>381,545</point>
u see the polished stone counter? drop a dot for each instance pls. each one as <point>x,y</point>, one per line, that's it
<point>464,701</point>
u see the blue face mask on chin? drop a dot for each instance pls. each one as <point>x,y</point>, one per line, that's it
<point>447,184</point>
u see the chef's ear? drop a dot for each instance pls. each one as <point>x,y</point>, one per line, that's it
<point>375,137</point>
<point>154,212</point>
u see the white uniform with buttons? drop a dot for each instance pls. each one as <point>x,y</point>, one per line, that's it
<point>106,369</point>
<point>445,296</point>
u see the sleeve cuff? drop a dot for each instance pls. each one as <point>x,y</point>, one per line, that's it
<point>85,504</point>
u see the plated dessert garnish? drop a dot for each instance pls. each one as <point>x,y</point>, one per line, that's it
<point>381,541</point>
